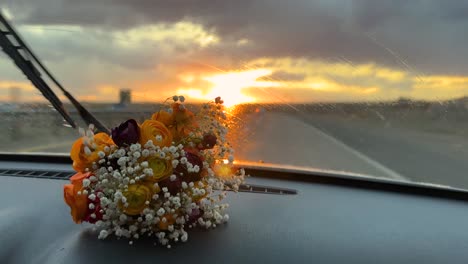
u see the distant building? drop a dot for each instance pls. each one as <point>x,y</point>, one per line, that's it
<point>125,97</point>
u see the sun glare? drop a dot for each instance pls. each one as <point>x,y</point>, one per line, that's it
<point>229,86</point>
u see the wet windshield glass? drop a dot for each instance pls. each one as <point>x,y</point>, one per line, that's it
<point>370,87</point>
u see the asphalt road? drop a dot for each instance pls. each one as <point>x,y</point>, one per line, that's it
<point>358,146</point>
<point>416,155</point>
<point>282,139</point>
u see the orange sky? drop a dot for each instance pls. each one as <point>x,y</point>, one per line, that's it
<point>319,82</point>
<point>186,58</point>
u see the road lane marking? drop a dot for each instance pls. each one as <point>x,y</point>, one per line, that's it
<point>390,173</point>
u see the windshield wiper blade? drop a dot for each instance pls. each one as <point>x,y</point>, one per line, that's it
<point>28,69</point>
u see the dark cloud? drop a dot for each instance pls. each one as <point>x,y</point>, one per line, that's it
<point>283,76</point>
<point>424,36</point>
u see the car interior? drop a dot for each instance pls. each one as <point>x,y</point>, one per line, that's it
<point>280,215</point>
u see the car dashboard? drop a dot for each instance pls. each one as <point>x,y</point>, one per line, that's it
<point>281,216</point>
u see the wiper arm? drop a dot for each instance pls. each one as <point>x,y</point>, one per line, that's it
<point>31,72</point>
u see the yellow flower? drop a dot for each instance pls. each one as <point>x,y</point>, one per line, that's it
<point>162,168</point>
<point>155,131</point>
<point>197,198</point>
<point>83,160</point>
<point>136,195</point>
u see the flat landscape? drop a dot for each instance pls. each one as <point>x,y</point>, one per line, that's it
<point>422,144</point>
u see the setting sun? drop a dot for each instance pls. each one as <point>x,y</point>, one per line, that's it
<point>229,86</point>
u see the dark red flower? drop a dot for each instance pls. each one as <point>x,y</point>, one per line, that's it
<point>172,186</point>
<point>193,158</point>
<point>95,211</point>
<point>218,100</point>
<point>193,217</point>
<point>182,173</point>
<point>126,133</point>
<point>208,142</point>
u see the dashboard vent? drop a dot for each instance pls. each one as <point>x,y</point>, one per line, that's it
<point>64,175</point>
<point>37,174</point>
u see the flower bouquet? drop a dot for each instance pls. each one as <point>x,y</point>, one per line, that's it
<point>158,178</point>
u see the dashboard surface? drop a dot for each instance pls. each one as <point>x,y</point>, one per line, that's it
<point>322,223</point>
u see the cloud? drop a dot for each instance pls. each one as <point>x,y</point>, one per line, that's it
<point>85,58</point>
<point>386,48</point>
<point>425,34</point>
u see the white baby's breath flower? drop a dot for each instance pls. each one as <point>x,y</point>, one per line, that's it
<point>149,217</point>
<point>133,148</point>
<point>161,212</point>
<point>87,151</point>
<point>92,197</point>
<point>184,237</point>
<point>136,155</point>
<point>103,234</point>
<point>145,153</point>
<point>116,175</point>
<point>226,217</point>
<point>123,217</point>
<point>86,183</point>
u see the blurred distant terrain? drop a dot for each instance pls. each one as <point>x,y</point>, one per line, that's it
<point>404,139</point>
<point>27,127</point>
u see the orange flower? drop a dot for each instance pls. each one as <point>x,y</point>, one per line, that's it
<point>155,131</point>
<point>184,121</point>
<point>169,221</point>
<point>81,160</point>
<point>162,168</point>
<point>180,122</point>
<point>137,195</point>
<point>79,177</point>
<point>164,117</point>
<point>78,202</point>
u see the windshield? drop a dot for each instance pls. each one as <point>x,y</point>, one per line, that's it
<point>368,87</point>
